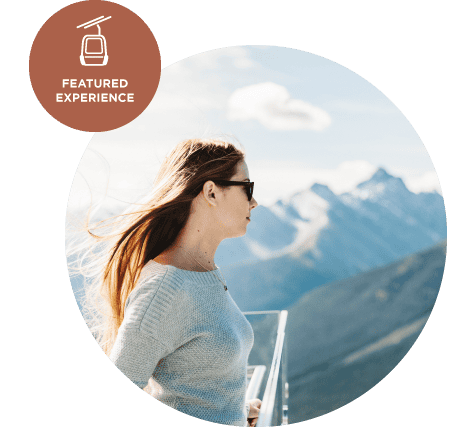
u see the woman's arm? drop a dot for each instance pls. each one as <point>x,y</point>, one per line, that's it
<point>152,327</point>
<point>136,354</point>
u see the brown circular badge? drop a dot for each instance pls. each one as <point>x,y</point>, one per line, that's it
<point>95,66</point>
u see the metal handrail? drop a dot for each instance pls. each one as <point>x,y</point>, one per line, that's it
<point>252,391</point>
<point>268,401</point>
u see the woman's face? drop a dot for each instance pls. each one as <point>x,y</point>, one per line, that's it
<point>235,209</point>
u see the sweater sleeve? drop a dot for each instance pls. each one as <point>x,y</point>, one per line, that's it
<point>150,330</point>
<point>136,354</point>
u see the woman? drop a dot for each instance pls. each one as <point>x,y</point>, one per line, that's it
<point>170,324</point>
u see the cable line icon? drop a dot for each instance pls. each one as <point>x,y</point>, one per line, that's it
<point>93,46</point>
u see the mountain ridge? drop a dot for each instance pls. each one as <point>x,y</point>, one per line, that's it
<point>381,198</point>
<point>335,237</point>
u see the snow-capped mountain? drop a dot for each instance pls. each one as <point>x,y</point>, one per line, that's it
<point>381,212</point>
<point>323,236</point>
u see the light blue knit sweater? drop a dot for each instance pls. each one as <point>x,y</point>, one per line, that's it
<point>185,341</point>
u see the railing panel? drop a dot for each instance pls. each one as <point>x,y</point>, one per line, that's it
<point>269,352</point>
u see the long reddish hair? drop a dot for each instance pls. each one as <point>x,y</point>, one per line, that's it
<point>150,227</point>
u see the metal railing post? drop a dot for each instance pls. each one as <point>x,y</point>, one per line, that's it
<point>268,401</point>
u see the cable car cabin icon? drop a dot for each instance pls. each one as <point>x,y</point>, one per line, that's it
<point>93,47</point>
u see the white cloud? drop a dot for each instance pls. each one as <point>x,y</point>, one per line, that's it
<point>280,179</point>
<point>198,81</point>
<point>272,106</point>
<point>426,182</point>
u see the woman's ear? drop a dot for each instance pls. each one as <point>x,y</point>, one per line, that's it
<point>209,192</point>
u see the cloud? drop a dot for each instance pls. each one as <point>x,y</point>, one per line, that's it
<point>281,179</point>
<point>272,106</point>
<point>200,79</point>
<point>427,182</point>
<point>197,82</point>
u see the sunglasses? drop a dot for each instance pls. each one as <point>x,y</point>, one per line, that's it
<point>249,186</point>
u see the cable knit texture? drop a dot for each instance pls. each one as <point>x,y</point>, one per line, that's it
<point>187,343</point>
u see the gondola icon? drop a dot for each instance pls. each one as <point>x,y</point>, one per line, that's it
<point>93,46</point>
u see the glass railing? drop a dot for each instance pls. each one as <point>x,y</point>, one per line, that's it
<point>267,366</point>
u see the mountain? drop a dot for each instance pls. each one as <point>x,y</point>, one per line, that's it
<point>335,237</point>
<point>344,337</point>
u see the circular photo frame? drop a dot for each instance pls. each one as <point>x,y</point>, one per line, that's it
<point>340,265</point>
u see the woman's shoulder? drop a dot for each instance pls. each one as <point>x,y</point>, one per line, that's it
<point>169,278</point>
<point>161,292</point>
<point>157,275</point>
<point>158,299</point>
<point>165,291</point>
<point>156,281</point>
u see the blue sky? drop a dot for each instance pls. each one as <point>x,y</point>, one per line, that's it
<point>301,119</point>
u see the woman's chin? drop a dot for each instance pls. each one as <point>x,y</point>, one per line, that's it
<point>238,233</point>
<point>241,233</point>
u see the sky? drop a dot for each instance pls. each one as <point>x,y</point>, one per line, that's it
<point>300,118</point>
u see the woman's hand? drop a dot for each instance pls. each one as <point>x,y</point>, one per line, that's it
<point>254,408</point>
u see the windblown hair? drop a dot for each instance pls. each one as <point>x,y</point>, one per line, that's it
<point>144,232</point>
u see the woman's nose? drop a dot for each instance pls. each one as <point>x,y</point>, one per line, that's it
<point>253,203</point>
